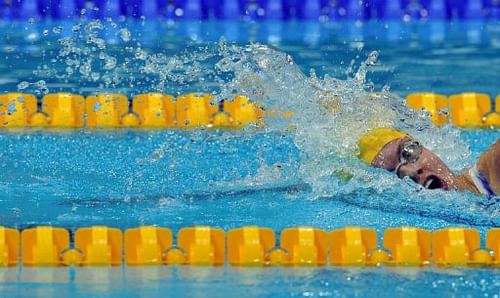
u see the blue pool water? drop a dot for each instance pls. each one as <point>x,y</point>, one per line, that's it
<point>275,176</point>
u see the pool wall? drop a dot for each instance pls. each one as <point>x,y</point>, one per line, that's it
<point>322,10</point>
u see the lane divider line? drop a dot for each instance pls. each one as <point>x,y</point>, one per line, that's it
<point>248,246</point>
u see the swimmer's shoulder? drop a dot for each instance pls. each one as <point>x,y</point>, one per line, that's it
<point>488,165</point>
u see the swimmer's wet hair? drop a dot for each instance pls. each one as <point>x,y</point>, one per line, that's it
<point>371,143</point>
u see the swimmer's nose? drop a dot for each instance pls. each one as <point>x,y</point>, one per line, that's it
<point>410,170</point>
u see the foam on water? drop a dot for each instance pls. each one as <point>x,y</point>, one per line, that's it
<point>329,114</point>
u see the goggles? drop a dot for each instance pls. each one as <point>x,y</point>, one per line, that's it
<point>409,152</point>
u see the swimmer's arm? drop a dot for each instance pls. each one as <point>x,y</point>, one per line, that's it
<point>489,165</point>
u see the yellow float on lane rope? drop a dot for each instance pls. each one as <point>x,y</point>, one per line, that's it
<point>64,110</point>
<point>155,110</point>
<point>16,109</point>
<point>146,245</point>
<point>352,246</point>
<point>247,246</point>
<point>433,103</point>
<point>105,110</point>
<point>306,246</point>
<point>202,245</point>
<point>9,246</point>
<point>43,246</point>
<point>99,245</point>
<point>457,246</point>
<point>408,246</point>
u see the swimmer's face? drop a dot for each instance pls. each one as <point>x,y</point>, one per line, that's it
<point>407,158</point>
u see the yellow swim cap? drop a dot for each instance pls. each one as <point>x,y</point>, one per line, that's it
<point>375,140</point>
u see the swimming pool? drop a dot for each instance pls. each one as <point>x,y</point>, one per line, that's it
<point>229,179</point>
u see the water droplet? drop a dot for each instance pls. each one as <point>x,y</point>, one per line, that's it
<point>372,58</point>
<point>179,12</point>
<point>85,69</point>
<point>57,29</point>
<point>76,28</point>
<point>11,109</point>
<point>95,76</point>
<point>124,34</point>
<point>40,83</point>
<point>23,85</point>
<point>97,106</point>
<point>141,54</point>
<point>32,36</point>
<point>222,45</point>
<point>110,63</point>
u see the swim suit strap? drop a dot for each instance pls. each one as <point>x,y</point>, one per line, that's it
<point>480,182</point>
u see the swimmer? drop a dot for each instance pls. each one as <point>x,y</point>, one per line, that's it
<point>398,152</point>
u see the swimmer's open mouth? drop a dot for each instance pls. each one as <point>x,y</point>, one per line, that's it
<point>434,182</point>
